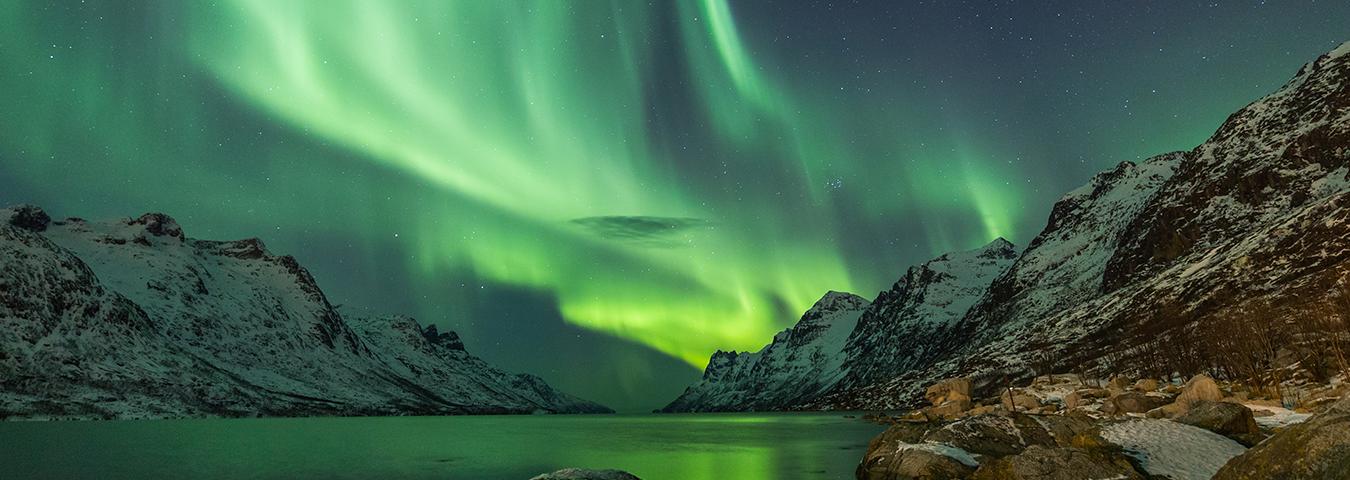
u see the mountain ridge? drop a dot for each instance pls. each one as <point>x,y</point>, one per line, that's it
<point>131,318</point>
<point>1142,257</point>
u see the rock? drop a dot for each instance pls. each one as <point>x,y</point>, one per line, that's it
<point>1228,419</point>
<point>946,390</point>
<point>888,455</point>
<point>1146,385</point>
<point>982,410</point>
<point>915,462</point>
<point>1057,463</point>
<point>1131,402</point>
<point>992,435</point>
<point>1199,387</point>
<point>1082,397</point>
<point>903,432</point>
<point>1013,401</point>
<point>1072,430</point>
<point>1318,448</point>
<point>1073,400</point>
<point>28,217</point>
<point>584,474</point>
<point>1118,384</point>
<point>950,409</point>
<point>159,224</point>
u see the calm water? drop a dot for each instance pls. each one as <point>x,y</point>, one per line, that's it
<point>655,447</point>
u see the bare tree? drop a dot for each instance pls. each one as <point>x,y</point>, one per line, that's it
<point>1329,329</point>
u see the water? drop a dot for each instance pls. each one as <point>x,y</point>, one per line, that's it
<point>654,447</point>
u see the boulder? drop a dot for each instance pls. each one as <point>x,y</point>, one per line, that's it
<point>947,390</point>
<point>584,474</point>
<point>1131,402</point>
<point>1146,385</point>
<point>992,435</point>
<point>1228,419</point>
<point>1199,387</point>
<point>951,409</point>
<point>1075,429</point>
<point>1057,463</point>
<point>923,461</point>
<point>1118,384</point>
<point>1318,448</point>
<point>1013,401</point>
<point>1082,397</point>
<point>1073,400</point>
<point>982,410</point>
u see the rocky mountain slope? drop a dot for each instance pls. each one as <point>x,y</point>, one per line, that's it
<point>844,339</point>
<point>798,365</point>
<point>131,318</point>
<point>1142,258</point>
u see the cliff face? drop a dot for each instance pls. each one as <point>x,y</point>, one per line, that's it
<point>1143,255</point>
<point>131,318</point>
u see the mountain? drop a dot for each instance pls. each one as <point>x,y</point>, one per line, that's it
<point>1135,267</point>
<point>798,365</point>
<point>845,340</point>
<point>132,319</point>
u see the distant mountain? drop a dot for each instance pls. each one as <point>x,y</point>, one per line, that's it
<point>799,365</point>
<point>132,319</point>
<point>1137,261</point>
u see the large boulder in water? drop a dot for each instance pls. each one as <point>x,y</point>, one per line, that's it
<point>1228,419</point>
<point>1316,449</point>
<point>584,474</point>
<point>1057,463</point>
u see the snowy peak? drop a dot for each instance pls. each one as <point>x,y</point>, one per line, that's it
<point>838,301</point>
<point>130,318</point>
<point>27,217</point>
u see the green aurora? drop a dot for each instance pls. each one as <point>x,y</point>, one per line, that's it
<point>673,174</point>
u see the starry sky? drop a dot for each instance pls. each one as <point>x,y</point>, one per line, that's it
<point>605,192</point>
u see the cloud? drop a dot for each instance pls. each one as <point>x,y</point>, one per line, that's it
<point>647,231</point>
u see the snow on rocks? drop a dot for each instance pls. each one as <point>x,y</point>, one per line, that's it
<point>1270,417</point>
<point>1164,447</point>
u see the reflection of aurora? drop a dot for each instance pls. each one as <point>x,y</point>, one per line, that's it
<point>649,167</point>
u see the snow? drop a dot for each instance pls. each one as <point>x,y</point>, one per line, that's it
<point>1279,416</point>
<point>1179,451</point>
<point>955,453</point>
<point>1339,51</point>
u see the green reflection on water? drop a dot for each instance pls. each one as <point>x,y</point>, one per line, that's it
<point>685,447</point>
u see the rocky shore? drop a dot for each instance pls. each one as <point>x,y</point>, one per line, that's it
<point>1065,427</point>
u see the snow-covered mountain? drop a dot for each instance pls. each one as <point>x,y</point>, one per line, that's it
<point>798,365</point>
<point>1142,255</point>
<point>131,318</point>
<point>845,340</point>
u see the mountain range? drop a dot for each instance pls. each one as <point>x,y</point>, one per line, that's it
<point>130,318</point>
<point>1140,260</point>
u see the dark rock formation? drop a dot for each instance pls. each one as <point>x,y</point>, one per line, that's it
<point>1318,449</point>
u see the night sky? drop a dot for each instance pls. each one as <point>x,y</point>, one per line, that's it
<point>605,192</point>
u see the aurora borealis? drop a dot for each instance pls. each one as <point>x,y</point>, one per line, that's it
<point>605,192</point>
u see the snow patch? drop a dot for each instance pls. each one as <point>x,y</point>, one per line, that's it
<point>1179,451</point>
<point>955,453</point>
